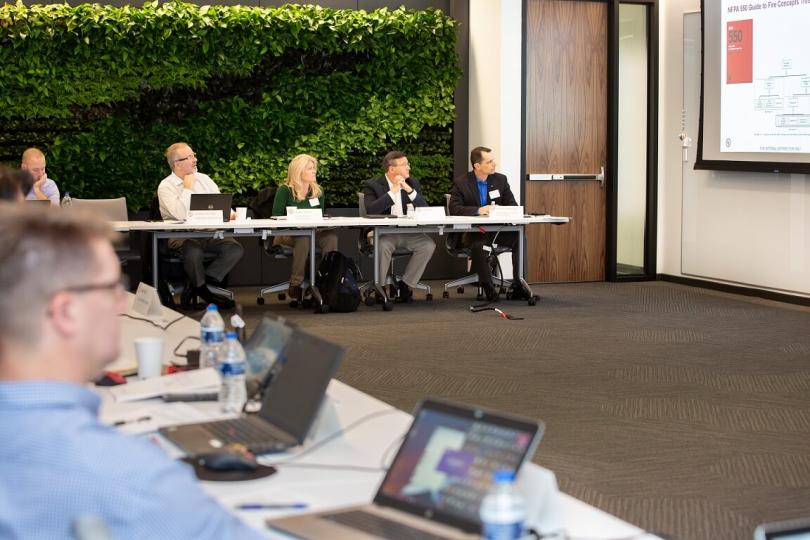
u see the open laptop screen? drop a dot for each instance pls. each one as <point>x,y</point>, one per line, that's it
<point>262,349</point>
<point>213,201</point>
<point>292,400</point>
<point>445,464</point>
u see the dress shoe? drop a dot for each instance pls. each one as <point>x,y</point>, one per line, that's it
<point>188,300</point>
<point>405,295</point>
<point>210,298</point>
<point>296,295</point>
<point>490,292</point>
<point>517,293</point>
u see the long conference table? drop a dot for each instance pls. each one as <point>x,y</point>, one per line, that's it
<point>282,226</point>
<point>348,468</point>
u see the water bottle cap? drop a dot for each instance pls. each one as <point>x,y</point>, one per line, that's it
<point>212,307</point>
<point>230,335</point>
<point>504,476</point>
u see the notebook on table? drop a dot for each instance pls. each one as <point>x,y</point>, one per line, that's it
<point>213,201</point>
<point>435,484</point>
<point>290,403</point>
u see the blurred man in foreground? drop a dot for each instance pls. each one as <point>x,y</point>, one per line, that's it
<point>58,463</point>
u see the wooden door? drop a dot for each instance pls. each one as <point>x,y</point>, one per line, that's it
<point>566,131</point>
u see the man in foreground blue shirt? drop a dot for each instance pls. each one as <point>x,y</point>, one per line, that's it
<point>58,464</point>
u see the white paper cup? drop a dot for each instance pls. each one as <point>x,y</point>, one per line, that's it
<point>149,352</point>
<point>291,210</point>
<point>241,213</point>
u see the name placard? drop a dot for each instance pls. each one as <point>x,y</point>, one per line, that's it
<point>304,214</point>
<point>429,212</point>
<point>506,212</point>
<point>204,217</point>
<point>147,302</point>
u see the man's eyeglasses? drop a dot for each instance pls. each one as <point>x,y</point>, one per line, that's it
<point>185,158</point>
<point>119,285</point>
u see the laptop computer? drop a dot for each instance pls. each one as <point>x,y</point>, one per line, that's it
<point>795,529</point>
<point>213,201</point>
<point>263,350</point>
<point>290,404</point>
<point>435,484</point>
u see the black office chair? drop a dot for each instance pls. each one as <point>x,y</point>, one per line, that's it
<point>452,243</point>
<point>262,208</point>
<point>172,279</point>
<point>365,246</point>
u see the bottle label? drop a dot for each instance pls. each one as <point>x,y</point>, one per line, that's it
<point>503,531</point>
<point>212,336</point>
<point>232,368</point>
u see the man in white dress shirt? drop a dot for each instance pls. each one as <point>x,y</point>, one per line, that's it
<point>174,194</point>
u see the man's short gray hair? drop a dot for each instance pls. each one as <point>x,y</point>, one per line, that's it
<point>171,152</point>
<point>42,251</point>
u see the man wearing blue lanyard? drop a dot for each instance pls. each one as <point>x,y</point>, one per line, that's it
<point>474,194</point>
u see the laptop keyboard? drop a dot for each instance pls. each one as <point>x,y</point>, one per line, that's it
<point>380,526</point>
<point>253,433</point>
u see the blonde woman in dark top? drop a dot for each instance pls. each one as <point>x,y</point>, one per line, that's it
<point>301,190</point>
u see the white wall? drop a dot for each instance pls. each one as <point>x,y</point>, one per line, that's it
<point>495,83</point>
<point>751,229</point>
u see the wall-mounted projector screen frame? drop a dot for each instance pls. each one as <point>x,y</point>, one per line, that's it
<point>755,86</point>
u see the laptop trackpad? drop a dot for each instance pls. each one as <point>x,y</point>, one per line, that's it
<point>194,439</point>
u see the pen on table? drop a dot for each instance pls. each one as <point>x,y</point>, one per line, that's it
<point>132,421</point>
<point>262,506</point>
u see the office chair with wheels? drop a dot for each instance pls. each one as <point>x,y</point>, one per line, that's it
<point>172,279</point>
<point>453,245</point>
<point>368,289</point>
<point>262,208</point>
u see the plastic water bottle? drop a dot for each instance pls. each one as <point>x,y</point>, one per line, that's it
<point>67,202</point>
<point>232,393</point>
<point>503,509</point>
<point>212,335</point>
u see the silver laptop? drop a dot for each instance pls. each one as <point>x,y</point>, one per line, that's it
<point>213,201</point>
<point>290,404</point>
<point>437,480</point>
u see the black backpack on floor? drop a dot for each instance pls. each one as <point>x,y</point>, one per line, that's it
<point>337,282</point>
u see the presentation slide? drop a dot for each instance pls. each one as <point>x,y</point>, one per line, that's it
<point>765,95</point>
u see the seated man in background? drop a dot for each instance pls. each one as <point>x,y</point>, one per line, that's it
<point>301,190</point>
<point>58,463</point>
<point>43,188</point>
<point>174,195</point>
<point>392,193</point>
<point>474,194</point>
<point>14,184</point>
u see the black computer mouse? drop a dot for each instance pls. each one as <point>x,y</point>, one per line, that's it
<point>228,461</point>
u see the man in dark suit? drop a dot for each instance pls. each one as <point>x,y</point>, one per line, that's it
<point>394,193</point>
<point>474,194</point>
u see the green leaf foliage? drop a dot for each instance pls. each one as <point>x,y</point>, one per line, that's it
<point>105,90</point>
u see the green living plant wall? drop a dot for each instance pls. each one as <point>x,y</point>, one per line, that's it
<point>104,90</point>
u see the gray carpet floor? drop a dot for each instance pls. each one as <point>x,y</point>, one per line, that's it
<point>678,409</point>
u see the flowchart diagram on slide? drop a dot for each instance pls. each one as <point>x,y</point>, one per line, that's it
<point>785,96</point>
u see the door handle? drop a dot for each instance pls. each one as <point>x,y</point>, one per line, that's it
<point>600,176</point>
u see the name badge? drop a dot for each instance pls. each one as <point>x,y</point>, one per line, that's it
<point>314,201</point>
<point>494,194</point>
